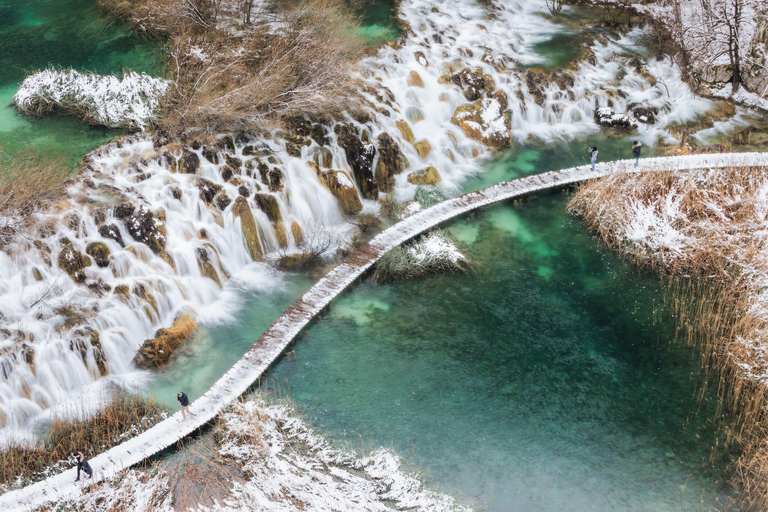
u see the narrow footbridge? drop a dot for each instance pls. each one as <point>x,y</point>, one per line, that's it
<point>270,345</point>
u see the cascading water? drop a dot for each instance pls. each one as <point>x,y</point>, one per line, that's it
<point>172,219</point>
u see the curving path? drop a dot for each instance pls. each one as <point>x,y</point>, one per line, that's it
<point>271,344</point>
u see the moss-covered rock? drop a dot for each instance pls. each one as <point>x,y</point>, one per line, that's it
<point>405,130</point>
<point>428,176</point>
<point>474,84</point>
<point>145,228</point>
<point>342,187</point>
<point>73,261</point>
<point>484,121</point>
<point>269,205</point>
<point>99,252</point>
<point>233,162</point>
<point>123,210</point>
<point>323,157</point>
<point>207,268</point>
<point>122,289</point>
<point>156,352</point>
<point>390,163</point>
<point>242,211</point>
<point>298,236</point>
<point>222,200</point>
<point>424,148</point>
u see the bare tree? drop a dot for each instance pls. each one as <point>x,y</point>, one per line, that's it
<point>555,6</point>
<point>718,34</point>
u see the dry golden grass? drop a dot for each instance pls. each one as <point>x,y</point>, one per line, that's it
<point>292,58</point>
<point>90,436</point>
<point>717,267</point>
<point>28,182</point>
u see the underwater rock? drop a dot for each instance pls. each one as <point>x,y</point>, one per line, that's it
<point>342,187</point>
<point>242,211</point>
<point>157,351</point>
<point>390,163</point>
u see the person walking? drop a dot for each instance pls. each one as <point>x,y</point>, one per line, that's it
<point>593,156</point>
<point>636,151</point>
<point>184,403</point>
<point>82,463</point>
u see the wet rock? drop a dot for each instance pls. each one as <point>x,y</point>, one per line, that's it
<point>269,205</point>
<point>226,173</point>
<point>421,58</point>
<point>242,211</point>
<point>37,274</point>
<point>123,210</point>
<point>320,174</point>
<point>112,232</point>
<point>222,200</point>
<point>484,121</point>
<point>414,80</point>
<point>360,159</point>
<point>428,176</point>
<point>234,162</point>
<point>605,116</point>
<point>474,84</point>
<point>99,217</point>
<point>342,187</point>
<point>405,130</point>
<point>207,268</point>
<point>323,157</point>
<point>156,352</point>
<point>99,252</point>
<point>243,191</point>
<point>390,163</point>
<point>211,155</point>
<point>423,147</point>
<point>122,290</point>
<point>189,163</point>
<point>145,228</point>
<point>160,138</point>
<point>298,236</point>
<point>208,189</point>
<point>226,143</point>
<point>292,149</point>
<point>643,113</point>
<point>72,261</point>
<point>175,192</point>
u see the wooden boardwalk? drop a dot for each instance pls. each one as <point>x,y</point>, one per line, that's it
<point>271,344</point>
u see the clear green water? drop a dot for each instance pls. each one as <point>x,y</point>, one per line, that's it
<point>540,383</point>
<point>378,22</point>
<point>36,34</point>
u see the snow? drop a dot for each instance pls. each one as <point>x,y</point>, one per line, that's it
<point>343,180</point>
<point>741,96</point>
<point>435,246</point>
<point>106,100</point>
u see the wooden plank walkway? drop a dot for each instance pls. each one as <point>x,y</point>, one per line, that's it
<point>271,344</point>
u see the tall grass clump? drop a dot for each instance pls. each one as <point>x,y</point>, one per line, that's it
<point>28,182</point>
<point>706,231</point>
<point>126,416</point>
<point>234,70</point>
<point>427,197</point>
<point>435,252</point>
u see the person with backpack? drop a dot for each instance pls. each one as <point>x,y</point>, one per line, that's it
<point>593,156</point>
<point>636,151</point>
<point>82,463</point>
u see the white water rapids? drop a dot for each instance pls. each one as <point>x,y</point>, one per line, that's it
<point>48,356</point>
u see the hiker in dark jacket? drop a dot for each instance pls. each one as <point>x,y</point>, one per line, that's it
<point>82,463</point>
<point>184,403</point>
<point>636,151</point>
<point>593,155</point>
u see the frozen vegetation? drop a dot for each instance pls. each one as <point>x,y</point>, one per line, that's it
<point>277,463</point>
<point>106,100</point>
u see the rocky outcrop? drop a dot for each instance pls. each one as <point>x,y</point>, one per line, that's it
<point>428,176</point>
<point>208,189</point>
<point>205,263</point>
<point>144,227</point>
<point>423,148</point>
<point>485,121</point>
<point>405,130</point>
<point>643,113</point>
<point>605,116</point>
<point>157,351</point>
<point>474,84</point>
<point>414,80</point>
<point>342,187</point>
<point>242,211</point>
<point>85,341</point>
<point>73,261</point>
<point>190,162</point>
<point>360,159</point>
<point>391,163</point>
<point>99,252</point>
<point>112,232</point>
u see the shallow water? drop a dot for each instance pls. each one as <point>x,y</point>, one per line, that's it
<point>540,383</point>
<point>38,34</point>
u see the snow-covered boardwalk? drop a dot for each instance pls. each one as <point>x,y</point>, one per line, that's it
<point>271,344</point>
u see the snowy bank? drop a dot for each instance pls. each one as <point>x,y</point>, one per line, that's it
<point>98,99</point>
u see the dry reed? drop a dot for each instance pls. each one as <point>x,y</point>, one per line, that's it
<point>706,231</point>
<point>124,417</point>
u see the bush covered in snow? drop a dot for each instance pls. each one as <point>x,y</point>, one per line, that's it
<point>98,99</point>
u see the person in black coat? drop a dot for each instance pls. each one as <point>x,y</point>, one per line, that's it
<point>636,151</point>
<point>184,403</point>
<point>82,463</point>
